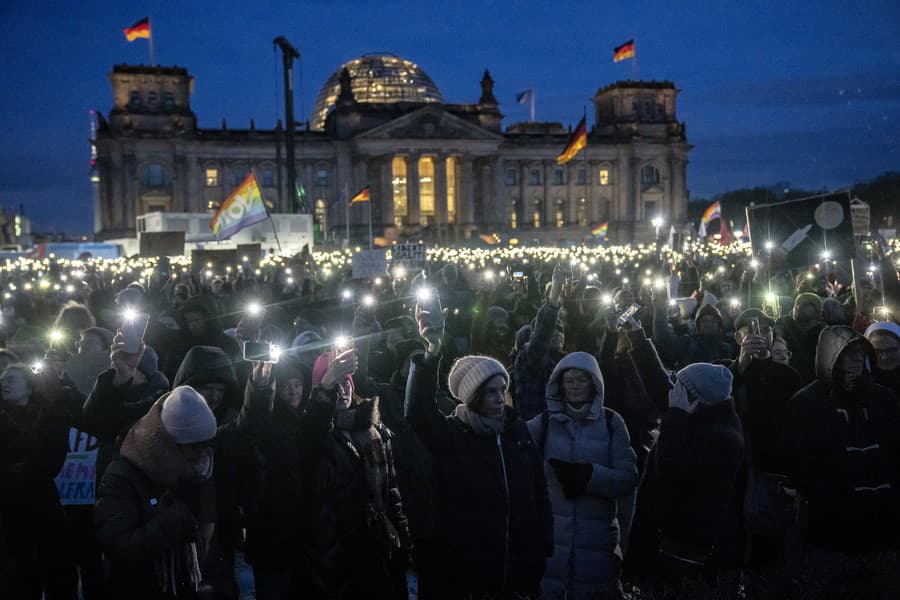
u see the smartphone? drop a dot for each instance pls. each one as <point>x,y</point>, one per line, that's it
<point>629,312</point>
<point>428,299</point>
<point>260,352</point>
<point>518,274</point>
<point>342,343</point>
<point>133,330</point>
<point>754,326</point>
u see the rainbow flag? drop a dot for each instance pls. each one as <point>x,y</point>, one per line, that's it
<point>141,29</point>
<point>243,208</point>
<point>601,230</point>
<point>361,196</point>
<point>624,51</point>
<point>713,212</point>
<point>577,141</point>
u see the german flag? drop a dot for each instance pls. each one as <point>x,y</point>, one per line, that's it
<point>577,141</point>
<point>361,196</point>
<point>141,29</point>
<point>624,51</point>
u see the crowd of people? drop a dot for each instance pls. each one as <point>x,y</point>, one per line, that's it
<point>520,422</point>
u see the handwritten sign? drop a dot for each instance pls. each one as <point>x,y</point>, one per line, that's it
<point>411,256</point>
<point>75,481</point>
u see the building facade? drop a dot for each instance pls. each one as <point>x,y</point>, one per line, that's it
<point>434,170</point>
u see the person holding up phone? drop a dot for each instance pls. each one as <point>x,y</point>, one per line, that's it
<point>685,524</point>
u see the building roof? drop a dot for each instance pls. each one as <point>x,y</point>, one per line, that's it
<point>148,70</point>
<point>640,85</point>
<point>377,79</point>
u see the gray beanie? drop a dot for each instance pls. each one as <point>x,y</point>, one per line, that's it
<point>186,416</point>
<point>708,383</point>
<point>469,372</point>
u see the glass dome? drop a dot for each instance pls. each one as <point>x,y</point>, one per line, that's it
<point>377,78</point>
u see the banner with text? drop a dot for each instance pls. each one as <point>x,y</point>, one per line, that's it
<point>75,481</point>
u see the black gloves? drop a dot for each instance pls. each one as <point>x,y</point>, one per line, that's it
<point>574,477</point>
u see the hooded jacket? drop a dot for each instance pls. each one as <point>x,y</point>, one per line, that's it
<point>208,364</point>
<point>586,554</point>
<point>147,512</point>
<point>889,379</point>
<point>843,453</point>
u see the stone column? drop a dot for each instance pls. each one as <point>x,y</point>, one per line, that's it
<point>465,189</point>
<point>386,191</point>
<point>592,176</point>
<point>412,189</point>
<point>440,194</point>
<point>117,195</point>
<point>132,190</point>
<point>498,196</point>
<point>182,199</point>
<point>573,193</point>
<point>679,191</point>
<point>525,218</point>
<point>624,201</point>
<point>342,175</point>
<point>549,207</point>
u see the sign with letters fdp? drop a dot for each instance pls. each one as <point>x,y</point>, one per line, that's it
<point>75,481</point>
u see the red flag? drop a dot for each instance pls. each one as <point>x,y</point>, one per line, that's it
<point>724,234</point>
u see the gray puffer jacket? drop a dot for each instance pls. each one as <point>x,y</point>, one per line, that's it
<point>586,531</point>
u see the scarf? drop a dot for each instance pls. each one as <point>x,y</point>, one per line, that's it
<point>578,413</point>
<point>480,424</point>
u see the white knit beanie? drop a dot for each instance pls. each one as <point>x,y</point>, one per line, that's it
<point>186,416</point>
<point>469,372</point>
<point>709,383</point>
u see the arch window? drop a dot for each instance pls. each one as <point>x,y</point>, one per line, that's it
<point>426,186</point>
<point>321,215</point>
<point>155,176</point>
<point>649,175</point>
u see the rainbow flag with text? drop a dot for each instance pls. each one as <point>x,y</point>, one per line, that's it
<point>243,208</point>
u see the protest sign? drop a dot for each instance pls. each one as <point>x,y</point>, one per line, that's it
<point>806,231</point>
<point>369,263</point>
<point>75,481</point>
<point>410,256</point>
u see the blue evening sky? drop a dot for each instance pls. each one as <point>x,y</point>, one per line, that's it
<point>807,92</point>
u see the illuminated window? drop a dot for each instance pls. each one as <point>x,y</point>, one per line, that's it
<point>451,190</point>
<point>212,177</point>
<point>321,215</point>
<point>649,175</point>
<point>581,212</point>
<point>512,177</point>
<point>559,177</point>
<point>398,186</point>
<point>426,186</point>
<point>513,213</point>
<point>537,219</point>
<point>534,177</point>
<point>560,213</point>
<point>604,176</point>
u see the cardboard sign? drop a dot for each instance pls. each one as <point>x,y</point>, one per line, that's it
<point>162,243</point>
<point>75,481</point>
<point>411,256</point>
<point>805,231</point>
<point>369,263</point>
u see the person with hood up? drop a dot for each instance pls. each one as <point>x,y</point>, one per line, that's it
<point>202,326</point>
<point>706,345</point>
<point>152,498</point>
<point>356,540</point>
<point>842,448</point>
<point>589,465</point>
<point>801,330</point>
<point>494,526</point>
<point>685,525</point>
<point>885,339</point>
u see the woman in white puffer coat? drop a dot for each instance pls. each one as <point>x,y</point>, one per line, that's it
<point>589,465</point>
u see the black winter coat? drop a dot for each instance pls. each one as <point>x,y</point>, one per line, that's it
<point>843,453</point>
<point>802,344</point>
<point>685,499</point>
<point>494,526</point>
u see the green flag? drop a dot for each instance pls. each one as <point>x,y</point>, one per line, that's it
<point>301,195</point>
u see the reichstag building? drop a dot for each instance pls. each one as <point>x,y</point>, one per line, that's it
<point>434,170</point>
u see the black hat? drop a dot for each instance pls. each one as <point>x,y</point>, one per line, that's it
<point>743,319</point>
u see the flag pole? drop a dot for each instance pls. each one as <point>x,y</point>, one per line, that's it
<point>587,174</point>
<point>150,44</point>
<point>268,214</point>
<point>347,220</point>
<point>532,105</point>
<point>371,242</point>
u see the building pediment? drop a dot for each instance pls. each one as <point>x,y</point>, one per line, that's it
<point>429,123</point>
